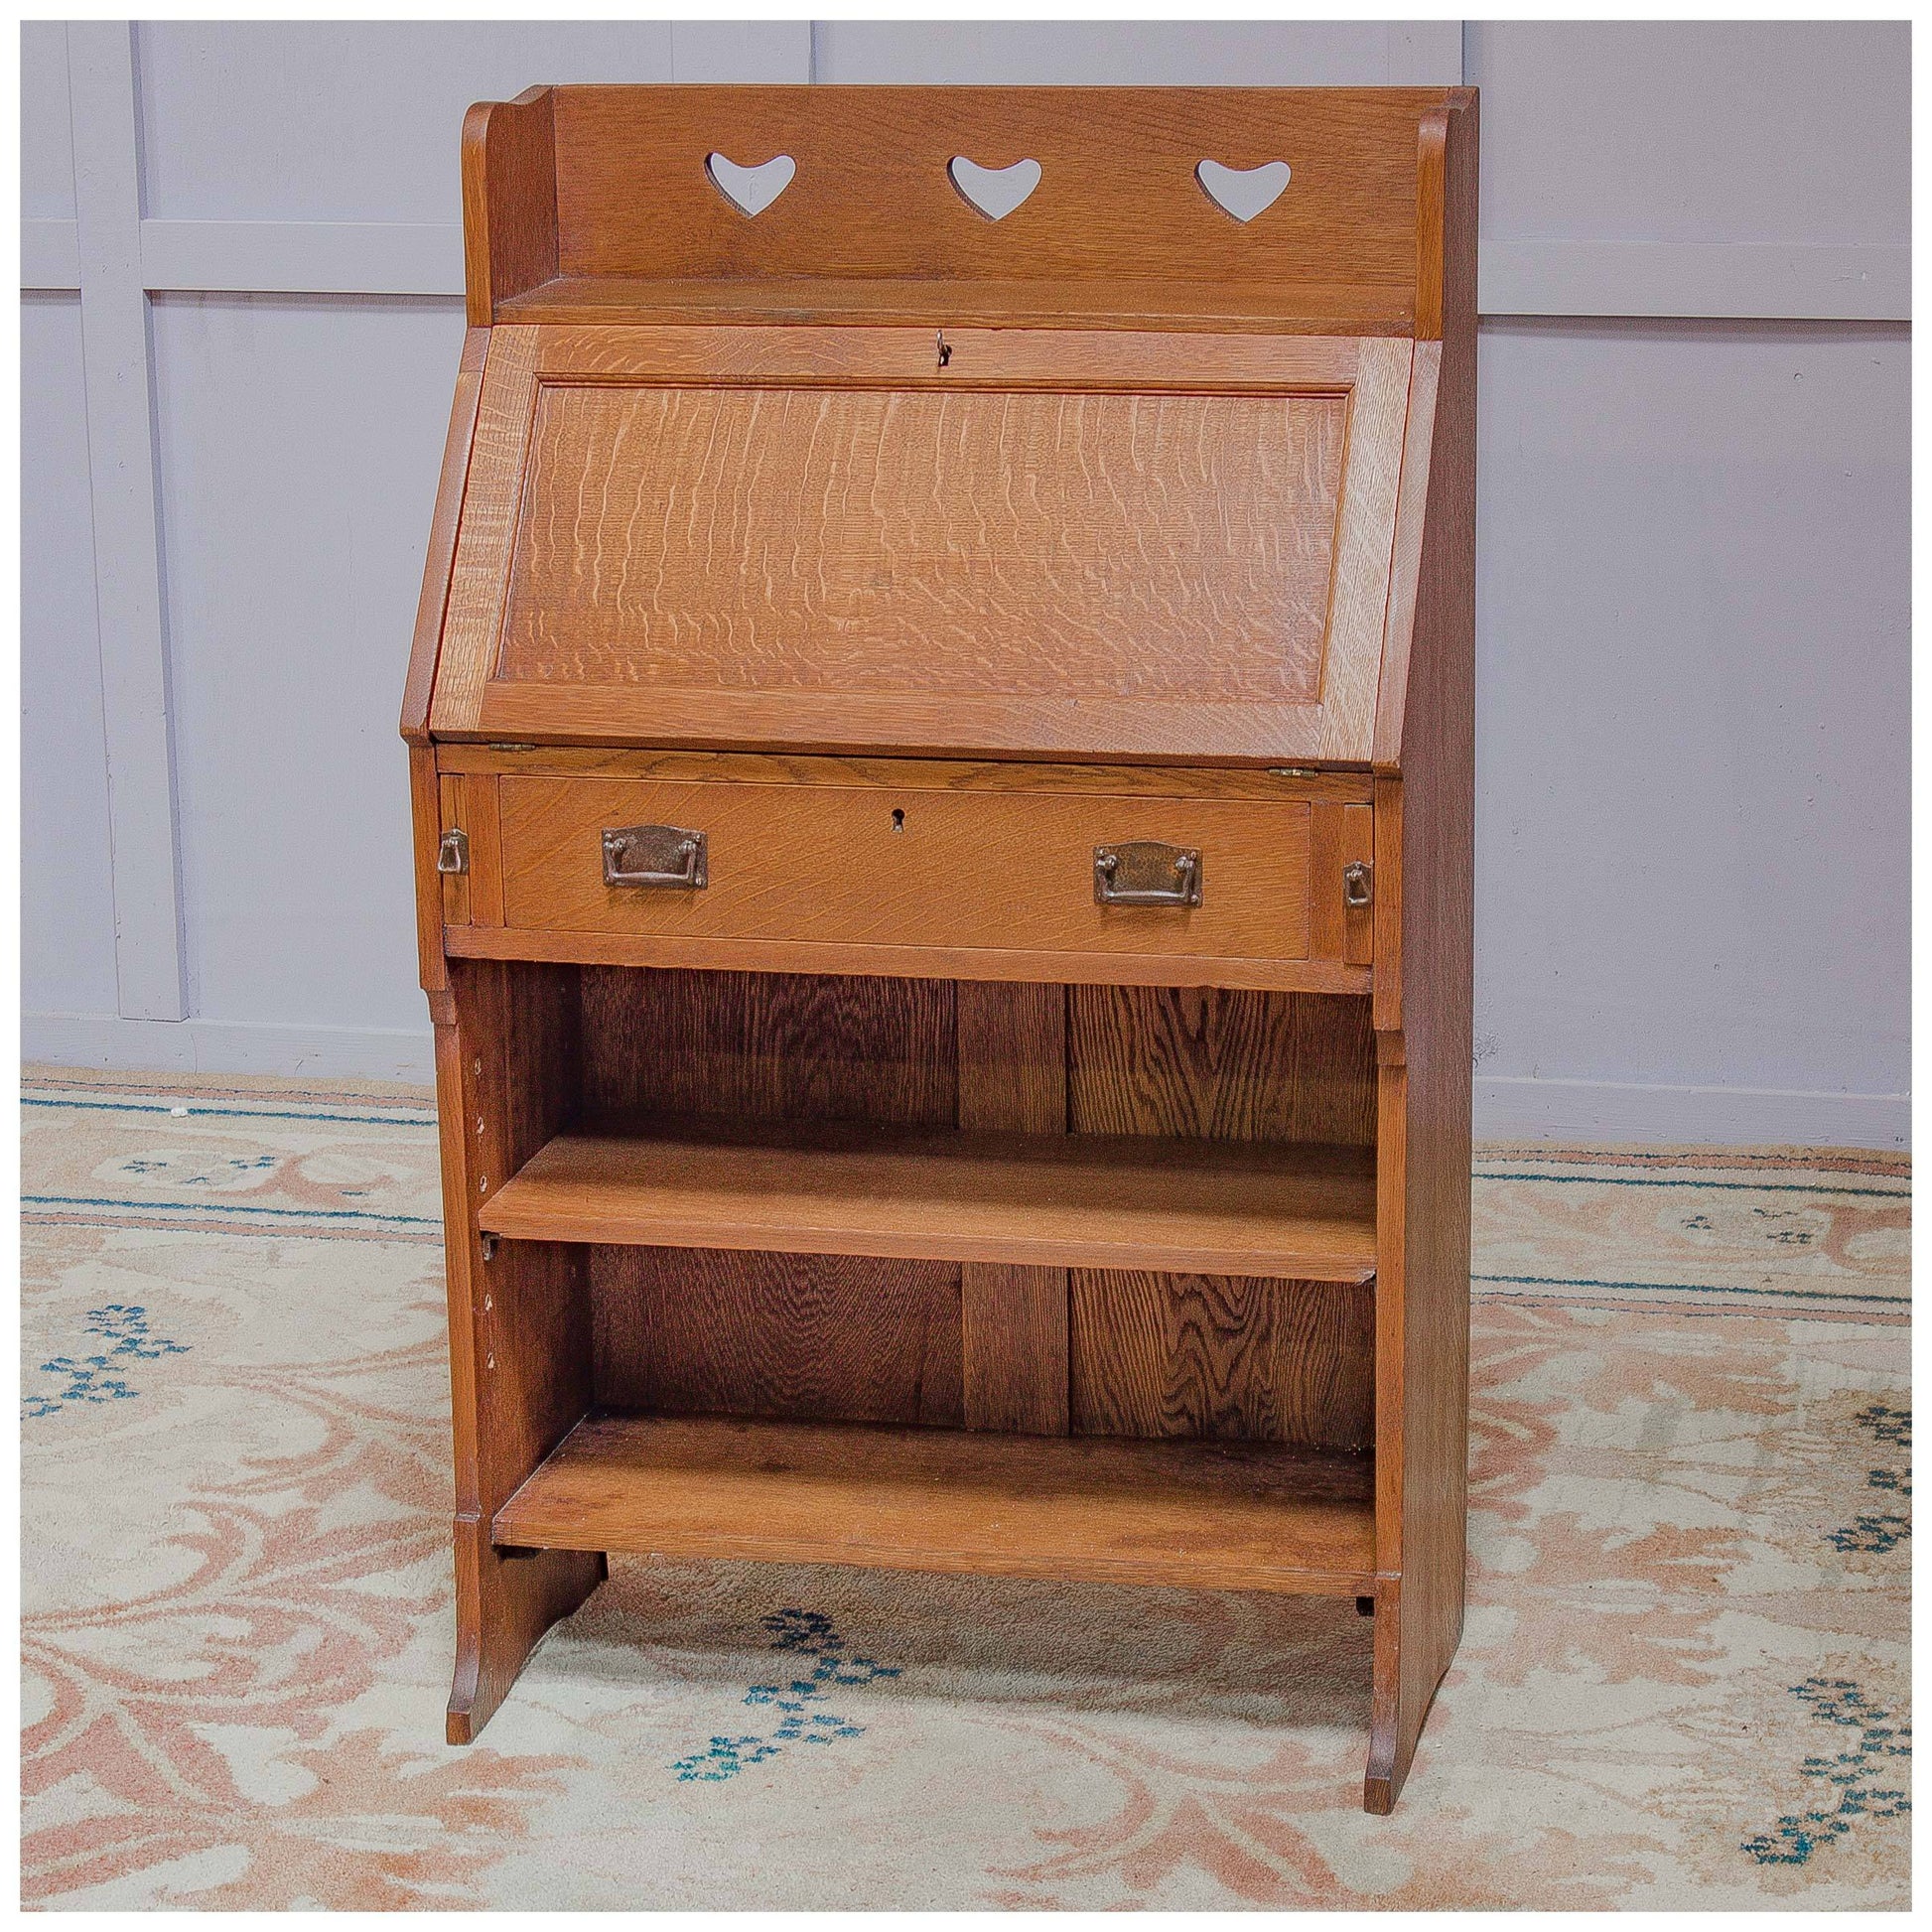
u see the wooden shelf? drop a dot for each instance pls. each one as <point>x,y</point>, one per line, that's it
<point>1209,1515</point>
<point>1249,306</point>
<point>1210,1207</point>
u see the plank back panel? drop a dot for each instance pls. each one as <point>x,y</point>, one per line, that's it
<point>772,1046</point>
<point>1218,1355</point>
<point>1222,1356</point>
<point>691,1331</point>
<point>1219,1064</point>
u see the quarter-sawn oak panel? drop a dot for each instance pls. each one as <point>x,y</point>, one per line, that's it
<point>899,541</point>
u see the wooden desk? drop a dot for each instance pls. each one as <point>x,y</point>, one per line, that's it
<point>941,751</point>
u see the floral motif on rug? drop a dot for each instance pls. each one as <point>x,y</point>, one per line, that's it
<point>1683,1682</point>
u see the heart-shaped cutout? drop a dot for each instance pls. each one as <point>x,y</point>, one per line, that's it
<point>1243,193</point>
<point>751,191</point>
<point>995,192</point>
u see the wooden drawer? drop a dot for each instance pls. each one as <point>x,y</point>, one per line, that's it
<point>934,882</point>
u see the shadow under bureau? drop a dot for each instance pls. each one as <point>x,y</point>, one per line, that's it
<point>941,748</point>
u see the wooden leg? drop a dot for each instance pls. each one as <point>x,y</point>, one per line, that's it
<point>519,1323</point>
<point>1422,1312</point>
<point>503,1608</point>
<point>1409,1666</point>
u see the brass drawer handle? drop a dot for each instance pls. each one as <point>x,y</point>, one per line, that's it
<point>1144,872</point>
<point>654,855</point>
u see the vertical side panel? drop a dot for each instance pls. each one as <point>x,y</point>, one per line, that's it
<point>1013,1320</point>
<point>509,200</point>
<point>1422,1233</point>
<point>519,1340</point>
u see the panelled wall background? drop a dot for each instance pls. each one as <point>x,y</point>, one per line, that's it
<point>242,317</point>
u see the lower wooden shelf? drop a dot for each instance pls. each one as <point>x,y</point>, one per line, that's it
<point>1206,1515</point>
<point>1209,1208</point>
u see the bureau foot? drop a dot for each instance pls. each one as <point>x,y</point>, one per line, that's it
<point>1412,1655</point>
<point>505,1602</point>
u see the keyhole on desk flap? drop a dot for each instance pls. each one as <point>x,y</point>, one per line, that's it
<point>898,819</point>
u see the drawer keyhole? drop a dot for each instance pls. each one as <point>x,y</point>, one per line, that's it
<point>898,819</point>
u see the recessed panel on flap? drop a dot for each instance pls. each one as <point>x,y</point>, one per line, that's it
<point>978,543</point>
<point>834,543</point>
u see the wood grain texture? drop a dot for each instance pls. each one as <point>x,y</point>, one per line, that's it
<point>425,828</point>
<point>945,868</point>
<point>1189,499</point>
<point>770,1046</point>
<point>1423,1299</point>
<point>809,540</point>
<point>1307,311</point>
<point>479,573</point>
<point>881,541</point>
<point>913,962</point>
<point>1117,196</point>
<point>519,1340</point>
<point>1038,1200</point>
<point>911,775</point>
<point>1206,1515</point>
<point>1219,1357</point>
<point>1012,1320</point>
<point>1012,1057</point>
<point>1378,411</point>
<point>1003,360</point>
<point>440,557</point>
<point>1405,562</point>
<point>454,886</point>
<point>1219,1064</point>
<point>1339,836</point>
<point>686,1332</point>
<point>907,724</point>
<point>509,200</point>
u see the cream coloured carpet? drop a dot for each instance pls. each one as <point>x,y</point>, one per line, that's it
<point>1683,1685</point>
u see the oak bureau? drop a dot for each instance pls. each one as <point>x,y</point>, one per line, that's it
<point>941,732</point>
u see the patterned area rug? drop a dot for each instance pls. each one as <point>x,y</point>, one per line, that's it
<point>1683,1685</point>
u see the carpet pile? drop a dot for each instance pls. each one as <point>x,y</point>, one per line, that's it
<point>1683,1685</point>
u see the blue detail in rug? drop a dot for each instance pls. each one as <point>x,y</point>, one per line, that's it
<point>1878,1531</point>
<point>97,1378</point>
<point>234,1166</point>
<point>1850,1777</point>
<point>797,1633</point>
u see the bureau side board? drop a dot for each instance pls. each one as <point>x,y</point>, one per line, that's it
<point>941,757</point>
